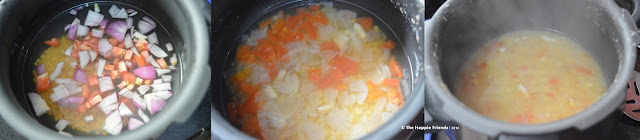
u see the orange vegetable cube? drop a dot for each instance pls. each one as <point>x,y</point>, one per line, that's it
<point>93,80</point>
<point>162,63</point>
<point>128,54</point>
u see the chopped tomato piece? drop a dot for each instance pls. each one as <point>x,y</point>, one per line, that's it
<point>85,91</point>
<point>113,41</point>
<point>389,44</point>
<point>395,68</point>
<point>93,80</point>
<point>54,42</point>
<point>128,76</point>
<point>366,23</point>
<point>42,82</point>
<point>314,75</point>
<point>109,67</point>
<point>128,55</point>
<point>95,99</point>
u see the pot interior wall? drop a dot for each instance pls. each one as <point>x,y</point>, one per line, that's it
<point>467,26</point>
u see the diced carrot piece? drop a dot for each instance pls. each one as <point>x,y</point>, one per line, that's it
<point>366,23</point>
<point>74,54</point>
<point>249,106</point>
<point>122,67</point>
<point>128,76</point>
<point>93,80</point>
<point>265,53</point>
<point>389,44</point>
<point>139,61</point>
<point>95,99</point>
<point>128,54</point>
<point>162,63</point>
<point>307,27</point>
<point>330,46</point>
<point>265,23</point>
<point>117,52</point>
<point>390,82</point>
<point>121,45</point>
<point>147,82</point>
<point>42,82</point>
<point>583,70</point>
<point>251,126</point>
<point>320,18</point>
<point>113,41</point>
<point>281,53</point>
<point>314,8</point>
<point>244,55</point>
<point>232,111</point>
<point>144,54</point>
<point>141,45</point>
<point>108,67</point>
<point>114,74</point>
<point>395,68</point>
<point>247,88</point>
<point>85,91</point>
<point>346,65</point>
<point>553,81</point>
<point>54,42</point>
<point>374,92</point>
<point>395,96</point>
<point>123,84</point>
<point>314,75</point>
<point>334,77</point>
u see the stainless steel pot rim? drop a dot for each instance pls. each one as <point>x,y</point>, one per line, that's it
<point>455,109</point>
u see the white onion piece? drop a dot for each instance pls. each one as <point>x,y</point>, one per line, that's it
<point>139,35</point>
<point>149,20</point>
<point>60,81</point>
<point>93,55</point>
<point>173,60</point>
<point>61,124</point>
<point>104,47</point>
<point>88,118</point>
<point>135,51</point>
<point>113,11</point>
<point>339,120</point>
<point>359,30</point>
<point>93,19</point>
<point>361,90</point>
<point>40,107</point>
<point>166,94</point>
<point>143,116</point>
<point>57,71</point>
<point>82,31</point>
<point>101,64</point>
<point>152,62</point>
<point>139,102</point>
<point>105,83</point>
<point>133,13</point>
<point>289,85</point>
<point>73,12</point>
<point>65,133</point>
<point>152,38</point>
<point>124,110</point>
<point>97,33</point>
<point>347,99</point>
<point>124,91</point>
<point>129,22</point>
<point>161,86</point>
<point>68,50</point>
<point>142,89</point>
<point>166,78</point>
<point>144,27</point>
<point>313,131</point>
<point>59,92</point>
<point>109,103</point>
<point>157,51</point>
<point>122,14</point>
<point>169,47</point>
<point>113,123</point>
<point>134,124</point>
<point>162,71</point>
<point>269,92</point>
<point>84,58</point>
<point>128,43</point>
<point>157,81</point>
<point>259,75</point>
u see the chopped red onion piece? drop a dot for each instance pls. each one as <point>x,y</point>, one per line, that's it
<point>143,116</point>
<point>113,123</point>
<point>165,94</point>
<point>153,103</point>
<point>61,124</point>
<point>122,14</point>
<point>126,93</point>
<point>144,27</point>
<point>82,31</point>
<point>93,55</point>
<point>166,78</point>
<point>162,71</point>
<point>109,103</point>
<point>40,107</point>
<point>70,101</point>
<point>84,58</point>
<point>40,69</point>
<point>71,35</point>
<point>104,47</point>
<point>66,27</point>
<point>152,38</point>
<point>101,63</point>
<point>146,72</point>
<point>128,43</point>
<point>88,118</point>
<point>59,92</point>
<point>134,124</point>
<point>124,110</point>
<point>169,47</point>
<point>138,102</point>
<point>105,83</point>
<point>117,29</point>
<point>97,33</point>
<point>103,23</point>
<point>62,80</point>
<point>80,76</point>
<point>93,19</point>
<point>73,12</point>
<point>142,89</point>
<point>113,11</point>
<point>68,50</point>
<point>149,20</point>
<point>152,62</point>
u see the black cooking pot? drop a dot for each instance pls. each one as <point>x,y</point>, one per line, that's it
<point>26,23</point>
<point>400,20</point>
